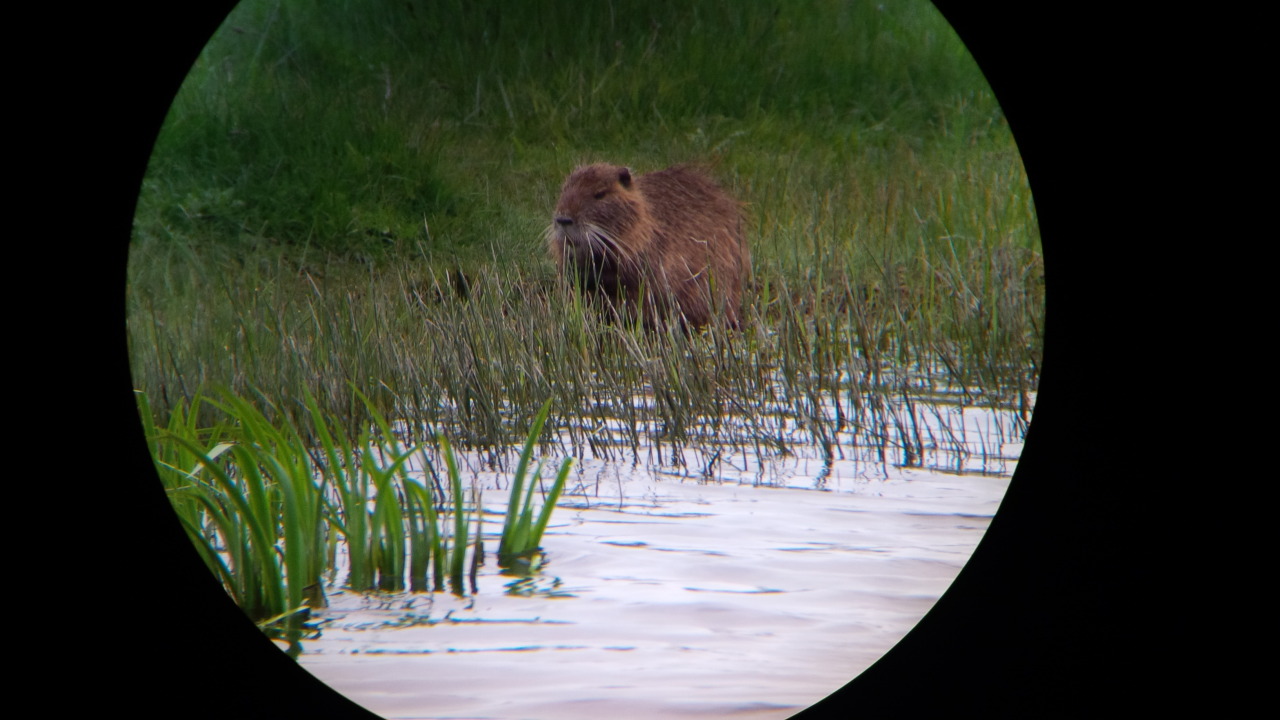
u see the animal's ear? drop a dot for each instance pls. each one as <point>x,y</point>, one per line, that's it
<point>624,177</point>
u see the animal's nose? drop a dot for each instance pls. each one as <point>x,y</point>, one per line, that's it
<point>562,220</point>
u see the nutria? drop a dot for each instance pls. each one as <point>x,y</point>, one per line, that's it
<point>665,238</point>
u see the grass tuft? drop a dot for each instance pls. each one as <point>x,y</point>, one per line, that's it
<point>520,533</point>
<point>268,510</point>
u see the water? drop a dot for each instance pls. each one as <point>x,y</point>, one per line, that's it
<point>751,592</point>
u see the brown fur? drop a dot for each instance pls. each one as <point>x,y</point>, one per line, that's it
<point>670,236</point>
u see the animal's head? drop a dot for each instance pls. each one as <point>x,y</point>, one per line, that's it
<point>598,208</point>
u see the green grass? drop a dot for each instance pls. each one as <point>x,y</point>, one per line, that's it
<point>338,263</point>
<point>521,534</point>
<point>342,221</point>
<point>388,127</point>
<point>268,510</point>
<point>478,369</point>
<point>242,491</point>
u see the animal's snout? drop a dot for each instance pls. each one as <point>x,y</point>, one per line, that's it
<point>564,221</point>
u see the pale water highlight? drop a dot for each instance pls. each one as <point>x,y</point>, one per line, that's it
<point>669,594</point>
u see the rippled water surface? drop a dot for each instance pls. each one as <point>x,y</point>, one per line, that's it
<point>753,593</point>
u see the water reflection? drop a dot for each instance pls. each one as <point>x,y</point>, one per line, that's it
<point>668,591</point>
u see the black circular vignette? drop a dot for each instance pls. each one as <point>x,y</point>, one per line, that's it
<point>1053,616</point>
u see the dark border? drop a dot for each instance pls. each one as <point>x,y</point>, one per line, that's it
<point>1056,615</point>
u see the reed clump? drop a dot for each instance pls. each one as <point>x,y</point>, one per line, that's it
<point>270,510</point>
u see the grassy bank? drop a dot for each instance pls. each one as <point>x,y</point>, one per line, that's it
<point>353,194</point>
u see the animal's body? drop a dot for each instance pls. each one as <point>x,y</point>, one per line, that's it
<point>669,242</point>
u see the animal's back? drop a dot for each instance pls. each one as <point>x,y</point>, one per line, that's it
<point>698,230</point>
